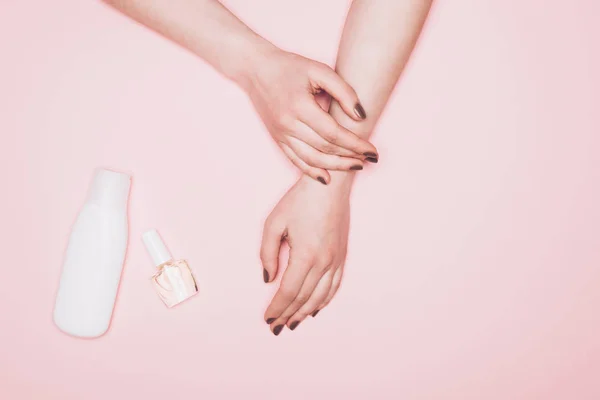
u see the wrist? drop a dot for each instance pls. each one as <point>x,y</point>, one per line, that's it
<point>340,184</point>
<point>252,56</point>
<point>341,181</point>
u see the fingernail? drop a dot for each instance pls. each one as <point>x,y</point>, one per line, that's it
<point>315,313</point>
<point>277,330</point>
<point>320,179</point>
<point>360,111</point>
<point>356,167</point>
<point>265,275</point>
<point>372,159</point>
<point>270,320</point>
<point>370,154</point>
<point>293,325</point>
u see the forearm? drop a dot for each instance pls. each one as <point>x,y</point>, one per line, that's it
<point>378,38</point>
<point>205,27</point>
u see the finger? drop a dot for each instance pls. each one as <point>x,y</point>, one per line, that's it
<point>304,133</point>
<point>273,232</point>
<point>292,281</point>
<point>326,78</point>
<point>335,285</point>
<point>322,123</point>
<point>308,287</point>
<point>323,99</point>
<point>318,174</point>
<point>315,158</point>
<point>315,299</point>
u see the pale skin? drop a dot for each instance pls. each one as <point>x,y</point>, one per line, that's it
<point>281,85</point>
<point>312,218</point>
<point>376,44</point>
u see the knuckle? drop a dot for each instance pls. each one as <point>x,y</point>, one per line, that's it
<point>307,169</point>
<point>329,148</point>
<point>268,227</point>
<point>284,120</point>
<point>306,255</point>
<point>323,267</point>
<point>319,67</point>
<point>265,259</point>
<point>287,294</point>
<point>327,259</point>
<point>301,166</point>
<point>273,223</point>
<point>313,161</point>
<point>269,221</point>
<point>331,134</point>
<point>300,299</point>
<point>351,93</point>
<point>325,68</point>
<point>304,167</point>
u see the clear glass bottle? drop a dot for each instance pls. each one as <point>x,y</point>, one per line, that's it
<point>173,281</point>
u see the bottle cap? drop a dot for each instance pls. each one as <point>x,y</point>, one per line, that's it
<point>156,247</point>
<point>109,189</point>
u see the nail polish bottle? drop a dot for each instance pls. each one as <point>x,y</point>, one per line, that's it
<point>173,280</point>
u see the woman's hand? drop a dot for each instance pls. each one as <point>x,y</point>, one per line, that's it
<point>314,221</point>
<point>282,87</point>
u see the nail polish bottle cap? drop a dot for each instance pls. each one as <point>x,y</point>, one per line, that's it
<point>156,247</point>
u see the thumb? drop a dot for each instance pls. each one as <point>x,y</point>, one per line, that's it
<point>327,79</point>
<point>269,249</point>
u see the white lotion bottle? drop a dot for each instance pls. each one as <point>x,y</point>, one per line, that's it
<point>94,258</point>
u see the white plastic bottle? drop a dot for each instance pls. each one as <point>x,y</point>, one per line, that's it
<point>94,258</point>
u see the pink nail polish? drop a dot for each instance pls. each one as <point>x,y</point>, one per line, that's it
<point>173,281</point>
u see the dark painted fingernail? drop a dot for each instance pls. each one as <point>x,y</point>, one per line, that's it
<point>270,320</point>
<point>265,275</point>
<point>370,154</point>
<point>315,313</point>
<point>372,159</point>
<point>356,167</point>
<point>360,111</point>
<point>293,325</point>
<point>277,330</point>
<point>320,179</point>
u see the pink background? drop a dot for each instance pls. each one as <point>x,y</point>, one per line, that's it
<point>473,268</point>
